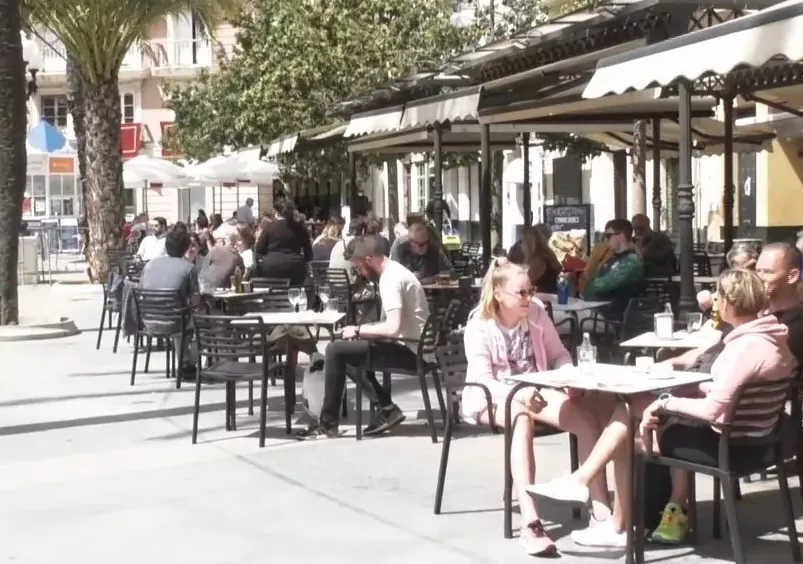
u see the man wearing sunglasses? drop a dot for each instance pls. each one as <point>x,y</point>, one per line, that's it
<point>421,253</point>
<point>622,277</point>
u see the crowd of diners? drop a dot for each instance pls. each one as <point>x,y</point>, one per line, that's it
<point>759,338</point>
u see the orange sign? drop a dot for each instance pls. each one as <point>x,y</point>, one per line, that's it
<point>61,165</point>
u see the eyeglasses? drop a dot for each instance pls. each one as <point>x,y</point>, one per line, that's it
<point>608,235</point>
<point>521,294</point>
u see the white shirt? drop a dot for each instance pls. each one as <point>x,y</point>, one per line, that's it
<point>151,247</point>
<point>245,214</point>
<point>400,289</point>
<point>248,258</point>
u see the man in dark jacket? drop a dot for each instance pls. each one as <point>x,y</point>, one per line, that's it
<point>420,254</point>
<point>655,248</point>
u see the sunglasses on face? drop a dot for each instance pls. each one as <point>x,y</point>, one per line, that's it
<point>525,293</point>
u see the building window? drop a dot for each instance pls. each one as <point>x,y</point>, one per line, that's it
<point>422,186</point>
<point>62,195</point>
<point>127,107</point>
<point>54,110</point>
<point>130,201</point>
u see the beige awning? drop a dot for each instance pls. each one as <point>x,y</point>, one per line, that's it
<point>457,106</point>
<point>305,139</point>
<point>775,33</point>
<point>282,145</point>
<point>377,121</point>
<point>457,137</point>
<point>568,103</point>
<point>708,137</point>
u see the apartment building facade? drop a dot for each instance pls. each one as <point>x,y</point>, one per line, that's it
<point>175,51</point>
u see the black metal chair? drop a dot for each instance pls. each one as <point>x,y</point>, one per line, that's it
<point>745,426</point>
<point>341,288</point>
<point>452,363</point>
<point>161,314</point>
<point>663,290</point>
<point>425,365</point>
<point>637,319</point>
<point>223,344</point>
<point>701,264</point>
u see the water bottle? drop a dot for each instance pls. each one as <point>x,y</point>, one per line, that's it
<point>586,353</point>
<point>302,303</point>
<point>563,288</point>
<point>664,323</point>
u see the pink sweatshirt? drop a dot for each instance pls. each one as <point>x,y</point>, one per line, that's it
<point>487,356</point>
<point>754,352</point>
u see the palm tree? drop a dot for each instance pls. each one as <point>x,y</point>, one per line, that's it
<point>13,159</point>
<point>97,35</point>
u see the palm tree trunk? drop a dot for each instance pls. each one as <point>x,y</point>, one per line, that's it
<point>13,157</point>
<point>75,102</point>
<point>104,173</point>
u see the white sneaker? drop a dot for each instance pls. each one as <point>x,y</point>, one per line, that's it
<point>563,489</point>
<point>600,535</point>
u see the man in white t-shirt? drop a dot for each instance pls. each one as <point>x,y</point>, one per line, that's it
<point>153,246</point>
<point>390,344</point>
<point>245,213</point>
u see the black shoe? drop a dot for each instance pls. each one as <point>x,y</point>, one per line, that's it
<point>318,431</point>
<point>384,420</point>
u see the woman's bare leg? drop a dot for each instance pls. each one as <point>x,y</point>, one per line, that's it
<point>578,417</point>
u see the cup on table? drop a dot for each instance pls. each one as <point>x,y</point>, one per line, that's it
<point>694,321</point>
<point>247,287</point>
<point>331,304</point>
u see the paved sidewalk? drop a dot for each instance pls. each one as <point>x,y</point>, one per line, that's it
<point>95,471</point>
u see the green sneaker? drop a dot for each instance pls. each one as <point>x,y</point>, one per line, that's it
<point>673,526</point>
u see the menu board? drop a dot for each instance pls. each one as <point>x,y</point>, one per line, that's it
<point>571,229</point>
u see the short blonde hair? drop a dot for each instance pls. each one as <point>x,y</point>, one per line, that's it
<point>332,230</point>
<point>743,257</point>
<point>499,273</point>
<point>744,291</point>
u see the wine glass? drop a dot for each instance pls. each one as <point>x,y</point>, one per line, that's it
<point>323,294</point>
<point>294,296</point>
<point>694,321</point>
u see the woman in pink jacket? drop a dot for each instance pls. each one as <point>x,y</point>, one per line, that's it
<point>755,350</point>
<point>508,334</point>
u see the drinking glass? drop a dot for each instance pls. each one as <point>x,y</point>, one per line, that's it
<point>323,294</point>
<point>694,321</point>
<point>294,296</point>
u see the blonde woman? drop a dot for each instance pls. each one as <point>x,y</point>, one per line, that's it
<point>331,235</point>
<point>508,334</point>
<point>755,350</point>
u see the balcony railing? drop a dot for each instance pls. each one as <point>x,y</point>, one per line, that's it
<point>157,54</point>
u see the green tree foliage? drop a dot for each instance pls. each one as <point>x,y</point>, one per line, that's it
<point>295,59</point>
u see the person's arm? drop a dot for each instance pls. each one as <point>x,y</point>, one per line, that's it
<point>732,369</point>
<point>479,366</point>
<point>392,302</point>
<point>306,244</point>
<point>627,273</point>
<point>396,248</point>
<point>444,264</point>
<point>261,244</point>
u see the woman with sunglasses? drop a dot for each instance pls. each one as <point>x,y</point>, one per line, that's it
<point>509,334</point>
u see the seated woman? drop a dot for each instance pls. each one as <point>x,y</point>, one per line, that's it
<point>541,263</point>
<point>755,350</point>
<point>284,247</point>
<point>510,334</point>
<point>330,236</point>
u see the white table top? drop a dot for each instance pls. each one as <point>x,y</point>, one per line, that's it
<point>304,318</point>
<point>699,279</point>
<point>574,304</point>
<point>680,340</point>
<point>612,378</point>
<point>227,294</point>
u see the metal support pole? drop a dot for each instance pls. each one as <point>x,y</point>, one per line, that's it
<point>527,200</point>
<point>685,197</point>
<point>656,173</point>
<point>485,191</point>
<point>437,189</point>
<point>352,193</point>
<point>728,193</point>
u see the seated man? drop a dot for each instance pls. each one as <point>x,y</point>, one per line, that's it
<point>421,254</point>
<point>222,261</point>
<point>622,277</point>
<point>153,245</point>
<point>174,272</point>
<point>405,309</point>
<point>656,249</point>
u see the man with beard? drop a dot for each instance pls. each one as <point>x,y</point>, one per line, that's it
<point>390,343</point>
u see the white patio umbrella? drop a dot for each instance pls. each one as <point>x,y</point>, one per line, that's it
<point>143,170</point>
<point>255,169</point>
